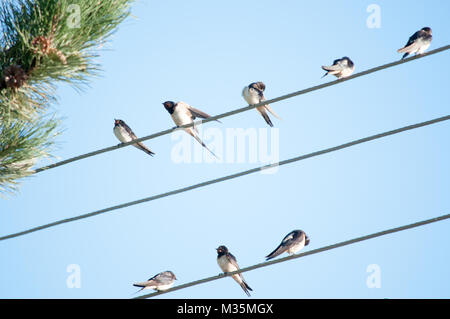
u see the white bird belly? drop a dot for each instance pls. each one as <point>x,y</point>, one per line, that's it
<point>296,248</point>
<point>121,134</point>
<point>180,117</point>
<point>346,72</point>
<point>423,47</point>
<point>225,265</point>
<point>251,99</point>
<point>164,287</point>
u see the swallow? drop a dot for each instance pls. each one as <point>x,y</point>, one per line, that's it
<point>254,94</point>
<point>292,243</point>
<point>418,43</point>
<point>341,68</point>
<point>160,282</point>
<point>182,114</point>
<point>227,262</point>
<point>124,133</point>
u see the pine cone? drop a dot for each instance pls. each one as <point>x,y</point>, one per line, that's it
<point>44,46</point>
<point>14,76</point>
<point>41,44</point>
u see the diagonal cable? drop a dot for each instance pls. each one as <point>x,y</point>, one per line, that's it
<point>243,109</point>
<point>229,177</point>
<point>307,253</point>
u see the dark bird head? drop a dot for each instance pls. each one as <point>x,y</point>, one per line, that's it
<point>171,274</point>
<point>349,62</point>
<point>170,106</point>
<point>306,240</point>
<point>118,122</point>
<point>427,30</point>
<point>259,86</point>
<point>222,250</point>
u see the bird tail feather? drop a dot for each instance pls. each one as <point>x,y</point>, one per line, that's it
<point>265,115</point>
<point>278,251</point>
<point>191,132</point>
<point>272,111</point>
<point>246,288</point>
<point>144,148</point>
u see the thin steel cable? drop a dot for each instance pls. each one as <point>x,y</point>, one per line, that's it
<point>229,177</point>
<point>240,110</point>
<point>307,253</point>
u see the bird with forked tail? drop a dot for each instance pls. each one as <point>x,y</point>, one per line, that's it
<point>418,43</point>
<point>227,262</point>
<point>183,114</point>
<point>341,68</point>
<point>291,243</point>
<point>124,134</point>
<point>254,94</point>
<point>160,282</point>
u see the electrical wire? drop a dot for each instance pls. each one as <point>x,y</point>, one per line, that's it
<point>307,253</point>
<point>243,109</point>
<point>229,177</point>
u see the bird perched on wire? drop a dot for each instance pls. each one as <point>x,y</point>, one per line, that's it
<point>227,262</point>
<point>418,43</point>
<point>182,114</point>
<point>124,133</point>
<point>292,243</point>
<point>254,94</point>
<point>160,282</point>
<point>341,68</point>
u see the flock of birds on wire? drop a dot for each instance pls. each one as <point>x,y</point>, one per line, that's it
<point>184,114</point>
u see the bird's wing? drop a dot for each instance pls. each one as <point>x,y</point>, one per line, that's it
<point>239,278</point>
<point>232,260</point>
<point>139,145</point>
<point>164,278</point>
<point>337,66</point>
<point>278,251</point>
<point>129,131</point>
<point>198,113</point>
<point>147,283</point>
<point>288,238</point>
<point>411,43</point>
<point>413,38</point>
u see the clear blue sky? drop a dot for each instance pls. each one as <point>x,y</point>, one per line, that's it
<point>204,52</point>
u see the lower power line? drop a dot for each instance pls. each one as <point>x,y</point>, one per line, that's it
<point>307,253</point>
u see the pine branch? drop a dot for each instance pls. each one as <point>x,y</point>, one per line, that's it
<point>22,144</point>
<point>44,42</point>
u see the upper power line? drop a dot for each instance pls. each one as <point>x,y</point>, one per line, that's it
<point>243,109</point>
